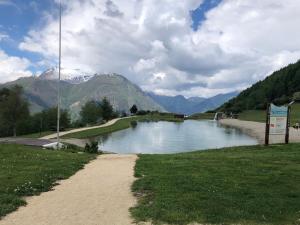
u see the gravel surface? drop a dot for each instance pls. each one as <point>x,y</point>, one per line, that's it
<point>99,194</point>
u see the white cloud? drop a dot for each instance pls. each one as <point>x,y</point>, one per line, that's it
<point>12,68</point>
<point>152,43</point>
<point>3,36</point>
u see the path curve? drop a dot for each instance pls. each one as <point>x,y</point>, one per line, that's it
<point>99,194</point>
<point>111,122</point>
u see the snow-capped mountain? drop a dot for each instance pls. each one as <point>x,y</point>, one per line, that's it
<point>74,76</point>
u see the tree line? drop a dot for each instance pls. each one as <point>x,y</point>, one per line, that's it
<point>15,117</point>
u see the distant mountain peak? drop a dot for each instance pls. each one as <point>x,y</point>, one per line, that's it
<point>74,76</point>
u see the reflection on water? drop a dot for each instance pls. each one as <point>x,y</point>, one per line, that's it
<point>170,137</point>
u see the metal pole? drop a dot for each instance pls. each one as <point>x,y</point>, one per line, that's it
<point>287,133</point>
<point>267,132</point>
<point>58,86</point>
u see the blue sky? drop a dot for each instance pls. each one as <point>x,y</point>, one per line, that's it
<point>17,18</point>
<point>198,15</point>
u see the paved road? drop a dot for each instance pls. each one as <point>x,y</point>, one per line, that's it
<point>26,141</point>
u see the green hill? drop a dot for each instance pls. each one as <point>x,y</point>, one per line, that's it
<point>278,88</point>
<point>122,94</point>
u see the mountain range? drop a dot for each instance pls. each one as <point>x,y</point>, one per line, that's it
<point>189,106</point>
<point>41,93</point>
<point>78,87</point>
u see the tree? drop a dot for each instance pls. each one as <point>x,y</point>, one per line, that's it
<point>296,96</point>
<point>91,112</point>
<point>13,108</point>
<point>48,118</point>
<point>107,109</point>
<point>133,109</point>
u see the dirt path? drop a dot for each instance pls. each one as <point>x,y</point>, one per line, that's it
<point>111,122</point>
<point>257,130</point>
<point>97,195</point>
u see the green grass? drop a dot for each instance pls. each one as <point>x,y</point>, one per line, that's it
<point>119,125</point>
<point>242,185</point>
<point>260,115</point>
<point>295,113</point>
<point>202,116</point>
<point>253,115</point>
<point>27,171</point>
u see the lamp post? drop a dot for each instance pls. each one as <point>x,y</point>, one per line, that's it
<point>58,83</point>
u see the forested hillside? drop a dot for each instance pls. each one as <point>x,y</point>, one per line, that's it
<point>278,88</point>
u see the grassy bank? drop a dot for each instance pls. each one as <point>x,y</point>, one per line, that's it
<point>260,115</point>
<point>26,171</point>
<point>243,185</point>
<point>253,115</point>
<point>120,125</point>
<point>202,116</point>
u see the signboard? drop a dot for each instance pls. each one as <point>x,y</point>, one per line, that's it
<point>278,120</point>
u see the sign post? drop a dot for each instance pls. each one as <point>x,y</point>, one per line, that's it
<point>287,133</point>
<point>267,133</point>
<point>277,122</point>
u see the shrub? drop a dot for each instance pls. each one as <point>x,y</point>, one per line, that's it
<point>91,148</point>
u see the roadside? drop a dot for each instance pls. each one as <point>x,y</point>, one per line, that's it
<point>257,130</point>
<point>98,194</point>
<point>25,141</point>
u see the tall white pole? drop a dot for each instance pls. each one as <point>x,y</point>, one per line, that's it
<point>58,86</point>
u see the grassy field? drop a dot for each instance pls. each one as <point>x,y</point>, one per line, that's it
<point>260,115</point>
<point>120,125</point>
<point>253,115</point>
<point>243,185</point>
<point>26,171</point>
<point>202,116</point>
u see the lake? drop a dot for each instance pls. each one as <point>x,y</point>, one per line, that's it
<point>173,137</point>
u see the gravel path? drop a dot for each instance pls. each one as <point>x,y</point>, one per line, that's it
<point>99,194</point>
<point>52,136</point>
<point>257,130</point>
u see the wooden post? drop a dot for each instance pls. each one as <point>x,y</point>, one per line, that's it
<point>287,133</point>
<point>267,133</point>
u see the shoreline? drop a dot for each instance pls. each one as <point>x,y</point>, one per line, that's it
<point>257,131</point>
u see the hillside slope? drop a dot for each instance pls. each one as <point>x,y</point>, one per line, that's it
<point>122,94</point>
<point>278,88</point>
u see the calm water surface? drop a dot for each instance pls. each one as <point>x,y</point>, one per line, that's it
<point>170,137</point>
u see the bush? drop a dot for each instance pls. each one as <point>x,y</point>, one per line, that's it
<point>123,114</point>
<point>296,96</point>
<point>91,148</point>
<point>142,113</point>
<point>72,148</point>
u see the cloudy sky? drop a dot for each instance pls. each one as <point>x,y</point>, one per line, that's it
<point>191,47</point>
